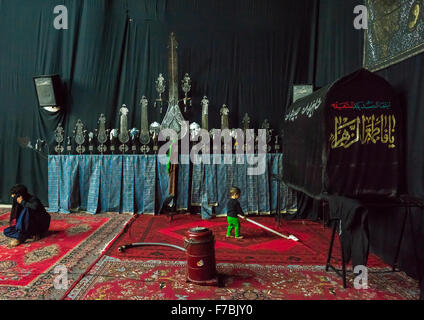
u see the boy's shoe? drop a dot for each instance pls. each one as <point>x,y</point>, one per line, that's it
<point>14,243</point>
<point>228,236</point>
<point>35,238</point>
<point>240,237</point>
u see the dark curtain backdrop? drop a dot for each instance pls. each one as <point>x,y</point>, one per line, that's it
<point>339,44</point>
<point>340,52</point>
<point>408,79</point>
<point>244,53</point>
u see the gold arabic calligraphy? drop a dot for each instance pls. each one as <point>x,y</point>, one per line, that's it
<point>366,130</point>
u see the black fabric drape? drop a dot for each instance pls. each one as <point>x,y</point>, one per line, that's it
<point>308,208</point>
<point>354,234</point>
<point>408,80</point>
<point>339,52</point>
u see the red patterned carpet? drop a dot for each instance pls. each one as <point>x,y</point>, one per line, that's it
<point>74,241</point>
<point>261,266</point>
<point>257,246</point>
<point>116,279</point>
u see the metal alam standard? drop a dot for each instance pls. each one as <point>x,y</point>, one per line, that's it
<point>110,164</point>
<point>144,140</point>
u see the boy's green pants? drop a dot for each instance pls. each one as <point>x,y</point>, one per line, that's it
<point>233,223</point>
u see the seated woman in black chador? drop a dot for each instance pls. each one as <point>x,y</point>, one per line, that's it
<point>32,220</point>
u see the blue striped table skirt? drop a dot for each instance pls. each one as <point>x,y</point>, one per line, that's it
<point>139,183</point>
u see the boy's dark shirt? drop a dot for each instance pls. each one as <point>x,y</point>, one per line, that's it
<point>234,208</point>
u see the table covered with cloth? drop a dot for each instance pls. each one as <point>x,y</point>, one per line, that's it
<point>140,183</point>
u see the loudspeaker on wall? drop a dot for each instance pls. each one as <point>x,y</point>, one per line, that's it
<point>49,91</point>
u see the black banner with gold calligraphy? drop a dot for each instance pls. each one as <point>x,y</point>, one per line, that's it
<point>345,139</point>
<point>395,32</point>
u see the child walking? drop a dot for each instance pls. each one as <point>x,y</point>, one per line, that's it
<point>233,210</point>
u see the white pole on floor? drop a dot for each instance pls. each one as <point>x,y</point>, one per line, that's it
<point>289,237</point>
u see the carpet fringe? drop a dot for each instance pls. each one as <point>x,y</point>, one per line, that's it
<point>125,228</point>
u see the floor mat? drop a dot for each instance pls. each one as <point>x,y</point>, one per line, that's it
<point>74,242</point>
<point>258,244</point>
<point>115,279</point>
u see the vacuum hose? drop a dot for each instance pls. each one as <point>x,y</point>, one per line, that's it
<point>128,246</point>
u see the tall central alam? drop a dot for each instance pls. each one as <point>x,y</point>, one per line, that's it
<point>173,118</point>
